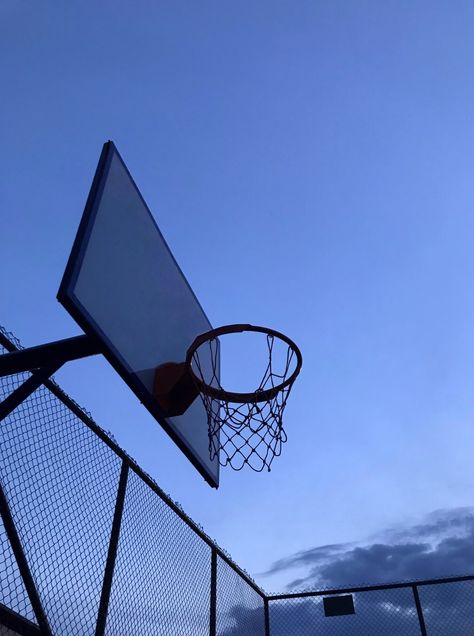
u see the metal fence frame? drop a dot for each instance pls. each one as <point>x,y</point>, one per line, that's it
<point>412,585</point>
<point>17,624</point>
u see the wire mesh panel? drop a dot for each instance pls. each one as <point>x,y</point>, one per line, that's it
<point>390,612</point>
<point>240,609</point>
<point>12,590</point>
<point>161,582</point>
<point>448,608</point>
<point>60,475</point>
<point>60,481</point>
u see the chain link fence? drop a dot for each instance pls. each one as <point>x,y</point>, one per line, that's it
<point>89,544</point>
<point>440,607</point>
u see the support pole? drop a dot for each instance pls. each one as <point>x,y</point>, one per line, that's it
<point>266,609</point>
<point>213,599</point>
<point>112,553</point>
<point>60,351</point>
<point>23,566</point>
<point>419,611</point>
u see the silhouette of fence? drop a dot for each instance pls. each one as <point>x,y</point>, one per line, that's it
<point>89,544</point>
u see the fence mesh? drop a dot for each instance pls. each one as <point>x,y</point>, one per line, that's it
<point>240,609</point>
<point>61,480</point>
<point>60,476</point>
<point>448,608</point>
<point>162,574</point>
<point>391,612</point>
<point>12,591</point>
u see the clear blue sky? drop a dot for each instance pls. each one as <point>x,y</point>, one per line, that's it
<point>311,166</point>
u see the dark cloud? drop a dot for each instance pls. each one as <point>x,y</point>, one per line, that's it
<point>437,525</point>
<point>318,555</point>
<point>442,545</point>
<point>241,620</point>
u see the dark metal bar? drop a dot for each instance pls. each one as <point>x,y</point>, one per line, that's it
<point>29,386</point>
<point>266,610</point>
<point>213,602</point>
<point>17,623</point>
<point>89,422</point>
<point>369,588</point>
<point>46,354</point>
<point>419,611</point>
<point>112,553</point>
<point>22,563</point>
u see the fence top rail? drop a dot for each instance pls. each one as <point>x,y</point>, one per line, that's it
<point>369,588</point>
<point>10,343</point>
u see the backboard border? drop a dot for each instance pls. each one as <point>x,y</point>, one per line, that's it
<point>77,311</point>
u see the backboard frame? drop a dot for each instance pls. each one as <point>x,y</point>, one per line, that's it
<point>89,325</point>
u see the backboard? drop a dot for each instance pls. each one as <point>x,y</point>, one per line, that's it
<point>123,286</point>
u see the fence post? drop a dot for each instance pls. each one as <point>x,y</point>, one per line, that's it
<point>419,611</point>
<point>213,599</point>
<point>266,609</point>
<point>22,563</point>
<point>112,553</point>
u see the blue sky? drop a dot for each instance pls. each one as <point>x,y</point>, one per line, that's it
<point>310,165</point>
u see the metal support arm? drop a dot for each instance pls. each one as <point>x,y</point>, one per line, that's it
<point>50,354</point>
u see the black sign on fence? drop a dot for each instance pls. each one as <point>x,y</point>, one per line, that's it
<point>339,605</point>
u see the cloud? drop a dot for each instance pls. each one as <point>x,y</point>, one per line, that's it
<point>318,555</point>
<point>441,545</point>
<point>241,620</point>
<point>437,525</point>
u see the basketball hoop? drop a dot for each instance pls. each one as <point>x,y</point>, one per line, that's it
<point>244,428</point>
